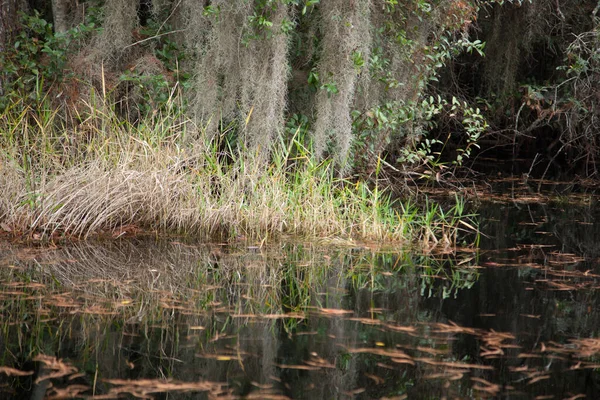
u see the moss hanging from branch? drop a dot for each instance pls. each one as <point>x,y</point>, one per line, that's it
<point>512,39</point>
<point>242,69</point>
<point>120,21</point>
<point>264,82</point>
<point>343,25</point>
<point>218,66</point>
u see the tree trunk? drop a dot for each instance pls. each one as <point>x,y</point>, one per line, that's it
<point>62,11</point>
<point>8,25</point>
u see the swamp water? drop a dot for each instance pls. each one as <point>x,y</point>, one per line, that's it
<point>517,318</point>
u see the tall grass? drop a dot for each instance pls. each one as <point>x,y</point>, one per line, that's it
<point>96,173</point>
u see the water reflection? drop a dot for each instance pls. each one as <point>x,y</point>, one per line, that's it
<point>144,319</point>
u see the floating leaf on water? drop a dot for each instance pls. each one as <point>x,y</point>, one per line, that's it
<point>354,392</point>
<point>453,364</point>
<point>366,321</point>
<point>376,379</point>
<point>284,316</point>
<point>538,378</point>
<point>396,354</point>
<point>76,376</point>
<point>57,368</point>
<point>69,392</point>
<point>266,396</point>
<point>531,316</point>
<point>334,311</point>
<point>487,353</point>
<point>262,386</point>
<point>15,372</point>
<point>433,352</point>
<point>300,367</point>
<point>144,387</point>
<point>403,361</point>
<point>523,368</point>
<point>220,357</point>
<point>400,328</point>
<point>528,355</point>
<point>449,375</point>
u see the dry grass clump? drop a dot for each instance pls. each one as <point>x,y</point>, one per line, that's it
<point>95,198</point>
<point>12,183</point>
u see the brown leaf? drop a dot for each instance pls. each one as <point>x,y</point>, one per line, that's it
<point>14,372</point>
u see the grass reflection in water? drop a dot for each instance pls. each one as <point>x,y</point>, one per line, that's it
<point>293,321</point>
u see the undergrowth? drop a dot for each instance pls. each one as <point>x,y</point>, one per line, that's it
<point>98,174</point>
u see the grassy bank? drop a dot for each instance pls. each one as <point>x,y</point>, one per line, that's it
<point>94,173</point>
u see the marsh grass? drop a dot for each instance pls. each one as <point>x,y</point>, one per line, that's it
<point>95,173</point>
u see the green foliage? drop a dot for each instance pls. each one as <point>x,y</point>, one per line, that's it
<point>212,11</point>
<point>309,5</point>
<point>297,127</point>
<point>391,122</point>
<point>155,87</point>
<point>37,58</point>
<point>330,88</point>
<point>260,23</point>
<point>474,125</point>
<point>402,116</point>
<point>377,128</point>
<point>155,91</point>
<point>358,60</point>
<point>471,119</point>
<point>313,80</point>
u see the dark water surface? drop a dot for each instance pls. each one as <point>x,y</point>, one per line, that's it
<point>518,318</point>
